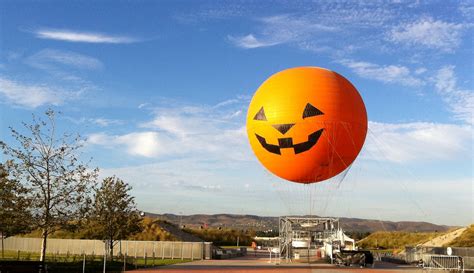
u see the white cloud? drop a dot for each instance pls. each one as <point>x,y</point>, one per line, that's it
<point>460,102</point>
<point>147,144</point>
<point>81,36</point>
<point>65,66</point>
<point>194,131</point>
<point>466,7</point>
<point>249,41</point>
<point>105,122</point>
<point>143,105</point>
<point>52,58</point>
<point>102,122</point>
<point>419,141</point>
<point>282,29</point>
<point>33,95</point>
<point>387,73</point>
<point>430,33</point>
<point>420,70</point>
<point>321,27</point>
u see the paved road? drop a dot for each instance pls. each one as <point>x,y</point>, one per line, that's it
<point>254,264</point>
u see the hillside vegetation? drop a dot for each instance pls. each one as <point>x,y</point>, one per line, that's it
<point>466,239</point>
<point>150,231</point>
<point>395,240</point>
<point>224,237</point>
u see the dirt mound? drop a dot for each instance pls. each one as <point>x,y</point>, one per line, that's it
<point>178,233</point>
<point>445,238</point>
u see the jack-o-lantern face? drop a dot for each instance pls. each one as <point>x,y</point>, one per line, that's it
<point>306,124</point>
<point>287,142</point>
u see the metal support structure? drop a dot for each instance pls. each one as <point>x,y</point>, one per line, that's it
<point>308,233</point>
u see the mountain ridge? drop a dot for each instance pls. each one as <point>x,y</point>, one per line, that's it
<point>263,223</point>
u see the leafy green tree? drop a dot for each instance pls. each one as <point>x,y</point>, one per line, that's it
<point>58,184</point>
<point>114,215</point>
<point>15,217</point>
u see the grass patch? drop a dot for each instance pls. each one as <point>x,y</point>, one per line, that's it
<point>94,263</point>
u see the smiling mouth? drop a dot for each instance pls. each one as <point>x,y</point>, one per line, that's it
<point>288,143</point>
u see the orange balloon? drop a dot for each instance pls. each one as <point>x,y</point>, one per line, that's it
<point>306,124</point>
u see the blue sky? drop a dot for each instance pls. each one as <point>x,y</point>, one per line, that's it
<point>160,90</point>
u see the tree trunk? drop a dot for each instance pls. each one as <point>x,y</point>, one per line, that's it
<point>43,245</point>
<point>3,251</point>
<point>111,249</point>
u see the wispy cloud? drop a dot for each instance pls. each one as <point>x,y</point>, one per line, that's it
<point>321,26</point>
<point>385,73</point>
<point>466,7</point>
<point>419,141</point>
<point>102,122</point>
<point>82,36</point>
<point>33,95</point>
<point>190,130</point>
<point>430,33</point>
<point>281,29</point>
<point>459,101</point>
<point>356,14</point>
<point>52,59</point>
<point>249,41</point>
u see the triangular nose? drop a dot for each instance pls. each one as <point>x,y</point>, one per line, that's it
<point>283,128</point>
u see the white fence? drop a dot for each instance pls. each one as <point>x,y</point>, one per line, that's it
<point>443,262</point>
<point>158,249</point>
<point>415,254</point>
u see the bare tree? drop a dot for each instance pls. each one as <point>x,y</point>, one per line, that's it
<point>15,217</point>
<point>113,215</point>
<point>59,184</point>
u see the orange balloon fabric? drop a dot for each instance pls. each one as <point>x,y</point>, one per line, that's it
<point>306,124</point>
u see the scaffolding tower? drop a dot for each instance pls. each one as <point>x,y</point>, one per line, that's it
<point>308,233</point>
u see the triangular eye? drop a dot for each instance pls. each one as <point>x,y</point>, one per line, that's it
<point>260,115</point>
<point>311,111</point>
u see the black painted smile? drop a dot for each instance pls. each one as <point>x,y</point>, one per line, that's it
<point>288,143</point>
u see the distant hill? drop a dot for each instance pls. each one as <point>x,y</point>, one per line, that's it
<point>266,223</point>
<point>355,224</point>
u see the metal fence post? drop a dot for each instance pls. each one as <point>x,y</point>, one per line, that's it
<point>84,263</point>
<point>172,250</point>
<point>125,262</point>
<point>136,250</point>
<point>154,245</point>
<point>144,252</point>
<point>105,255</point>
